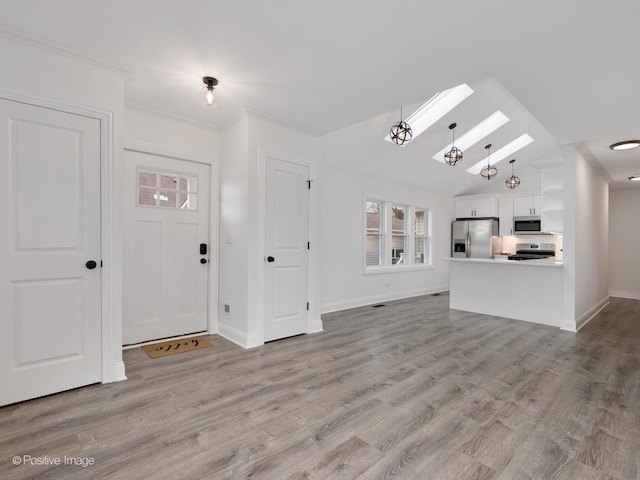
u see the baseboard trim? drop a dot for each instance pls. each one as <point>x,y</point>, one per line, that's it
<point>621,294</point>
<point>233,335</point>
<point>364,301</point>
<point>592,312</point>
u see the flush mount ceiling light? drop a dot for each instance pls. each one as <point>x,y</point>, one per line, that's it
<point>512,181</point>
<point>489,172</point>
<point>400,132</point>
<point>454,155</point>
<point>626,145</point>
<point>506,151</point>
<point>209,96</point>
<point>635,178</point>
<point>477,133</point>
<point>436,108</point>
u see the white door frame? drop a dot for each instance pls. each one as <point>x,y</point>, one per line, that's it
<point>151,149</point>
<point>110,231</point>
<point>312,326</point>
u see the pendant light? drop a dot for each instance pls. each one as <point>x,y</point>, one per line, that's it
<point>400,132</point>
<point>454,155</point>
<point>209,97</point>
<point>512,181</point>
<point>489,172</point>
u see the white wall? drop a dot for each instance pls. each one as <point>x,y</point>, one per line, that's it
<point>58,80</point>
<point>234,208</point>
<point>344,285</point>
<point>624,238</point>
<point>585,241</point>
<point>179,139</point>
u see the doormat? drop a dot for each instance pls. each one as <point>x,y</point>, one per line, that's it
<point>176,346</point>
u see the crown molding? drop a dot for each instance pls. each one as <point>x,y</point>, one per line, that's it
<point>250,112</point>
<point>168,116</point>
<point>284,123</point>
<point>44,43</point>
<point>162,151</point>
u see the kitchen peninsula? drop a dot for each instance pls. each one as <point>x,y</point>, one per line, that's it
<point>530,290</point>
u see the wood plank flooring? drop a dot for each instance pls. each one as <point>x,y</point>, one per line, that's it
<point>410,390</point>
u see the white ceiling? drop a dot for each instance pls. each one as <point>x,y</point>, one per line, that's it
<point>571,65</point>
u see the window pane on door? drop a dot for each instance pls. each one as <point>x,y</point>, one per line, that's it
<point>147,179</point>
<point>167,198</point>
<point>167,189</point>
<point>147,196</point>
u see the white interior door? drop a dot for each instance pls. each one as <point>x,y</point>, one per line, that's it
<point>165,273</point>
<point>286,248</point>
<point>50,310</point>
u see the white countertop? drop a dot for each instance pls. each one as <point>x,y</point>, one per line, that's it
<point>502,261</point>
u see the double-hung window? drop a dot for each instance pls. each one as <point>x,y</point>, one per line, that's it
<point>396,236</point>
<point>373,235</point>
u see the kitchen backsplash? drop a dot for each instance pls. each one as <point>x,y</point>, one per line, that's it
<point>509,243</point>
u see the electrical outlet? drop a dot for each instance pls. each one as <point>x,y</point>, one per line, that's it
<point>227,308</point>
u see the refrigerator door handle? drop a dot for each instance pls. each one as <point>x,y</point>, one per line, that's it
<point>468,246</point>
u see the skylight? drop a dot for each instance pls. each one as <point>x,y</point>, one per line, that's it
<point>436,108</point>
<point>477,133</point>
<point>510,148</point>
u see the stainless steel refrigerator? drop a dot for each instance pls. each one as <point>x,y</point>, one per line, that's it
<point>475,238</point>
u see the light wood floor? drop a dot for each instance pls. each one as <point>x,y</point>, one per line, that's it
<point>406,391</point>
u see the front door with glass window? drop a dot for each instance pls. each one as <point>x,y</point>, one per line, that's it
<point>166,250</point>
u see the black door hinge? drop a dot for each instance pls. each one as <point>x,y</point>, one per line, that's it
<point>307,305</point>
<point>308,245</point>
<point>309,184</point>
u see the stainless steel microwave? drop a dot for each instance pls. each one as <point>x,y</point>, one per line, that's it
<point>526,225</point>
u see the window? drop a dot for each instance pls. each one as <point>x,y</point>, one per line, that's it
<point>167,190</point>
<point>396,236</point>
<point>373,239</point>
<point>420,237</point>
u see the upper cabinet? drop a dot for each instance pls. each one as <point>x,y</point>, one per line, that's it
<point>482,206</point>
<point>506,216</point>
<point>527,206</point>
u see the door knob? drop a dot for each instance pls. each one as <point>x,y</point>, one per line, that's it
<point>91,264</point>
<point>203,261</point>
<point>270,259</point>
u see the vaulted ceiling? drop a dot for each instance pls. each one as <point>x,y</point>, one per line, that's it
<point>570,66</point>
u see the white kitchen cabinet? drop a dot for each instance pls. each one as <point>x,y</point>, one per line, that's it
<point>506,216</point>
<point>527,205</point>
<point>477,207</point>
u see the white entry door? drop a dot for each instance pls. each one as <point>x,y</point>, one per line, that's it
<point>286,248</point>
<point>166,225</point>
<point>50,291</point>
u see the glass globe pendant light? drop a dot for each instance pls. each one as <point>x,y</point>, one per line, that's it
<point>454,155</point>
<point>512,181</point>
<point>489,172</point>
<point>401,132</point>
<point>208,95</point>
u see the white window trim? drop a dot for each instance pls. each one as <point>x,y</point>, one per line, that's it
<point>386,240</point>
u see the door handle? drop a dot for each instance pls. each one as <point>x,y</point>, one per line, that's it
<point>203,261</point>
<point>91,264</point>
<point>270,259</point>
<point>203,249</point>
